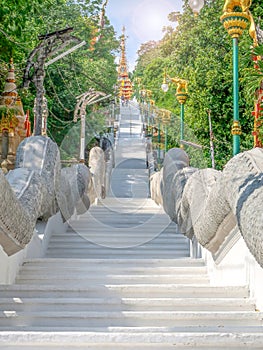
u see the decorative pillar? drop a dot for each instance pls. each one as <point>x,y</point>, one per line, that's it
<point>159,144</point>
<point>235,22</point>
<point>166,117</point>
<point>181,98</point>
<point>82,137</point>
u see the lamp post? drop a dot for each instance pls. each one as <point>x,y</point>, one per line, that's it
<point>235,22</point>
<point>151,112</point>
<point>156,133</point>
<point>158,119</point>
<point>145,96</point>
<point>148,101</point>
<point>166,117</point>
<point>181,96</point>
<point>142,94</point>
<point>137,84</point>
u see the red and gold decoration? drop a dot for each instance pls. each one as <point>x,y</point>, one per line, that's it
<point>258,110</point>
<point>14,124</point>
<point>97,32</point>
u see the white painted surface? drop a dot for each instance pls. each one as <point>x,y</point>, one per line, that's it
<point>238,267</point>
<point>36,248</point>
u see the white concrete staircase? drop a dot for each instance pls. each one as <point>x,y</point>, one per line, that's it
<point>121,278</point>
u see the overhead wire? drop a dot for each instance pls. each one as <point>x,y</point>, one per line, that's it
<point>75,75</point>
<point>56,95</point>
<point>66,84</point>
<point>13,41</point>
<point>53,125</point>
<point>68,122</point>
<point>96,82</point>
<point>50,135</point>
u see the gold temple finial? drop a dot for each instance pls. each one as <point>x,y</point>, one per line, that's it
<point>9,94</point>
<point>125,84</point>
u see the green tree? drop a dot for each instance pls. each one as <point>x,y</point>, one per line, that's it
<point>89,67</point>
<point>199,50</point>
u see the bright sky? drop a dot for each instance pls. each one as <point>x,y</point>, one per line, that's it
<point>143,19</point>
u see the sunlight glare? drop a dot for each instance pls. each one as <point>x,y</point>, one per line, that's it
<point>148,19</point>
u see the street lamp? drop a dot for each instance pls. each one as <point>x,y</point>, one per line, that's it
<point>196,6</point>
<point>166,117</point>
<point>145,95</point>
<point>235,22</point>
<point>181,96</point>
<point>151,112</point>
<point>158,118</point>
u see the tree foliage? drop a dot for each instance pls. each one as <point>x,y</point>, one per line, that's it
<point>199,50</point>
<point>21,23</point>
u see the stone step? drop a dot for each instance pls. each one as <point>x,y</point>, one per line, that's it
<point>111,213</point>
<point>75,236</point>
<point>135,214</point>
<point>115,262</point>
<point>91,243</point>
<point>105,255</point>
<point>142,243</point>
<point>166,231</point>
<point>80,318</point>
<point>121,252</point>
<point>80,235</point>
<point>147,240</point>
<point>84,255</point>
<point>145,207</point>
<point>163,237</point>
<point>102,224</point>
<point>99,340</point>
<point>29,269</point>
<point>147,246</point>
<point>122,229</point>
<point>127,304</point>
<point>238,329</point>
<point>98,277</point>
<point>123,290</point>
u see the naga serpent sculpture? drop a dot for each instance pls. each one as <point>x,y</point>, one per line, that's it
<point>39,188</point>
<point>230,5</point>
<point>208,203</point>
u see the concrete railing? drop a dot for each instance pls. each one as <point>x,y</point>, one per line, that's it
<point>235,265</point>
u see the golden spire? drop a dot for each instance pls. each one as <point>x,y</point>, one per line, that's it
<point>10,95</point>
<point>125,88</point>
